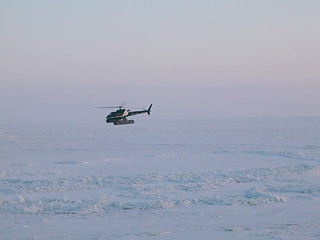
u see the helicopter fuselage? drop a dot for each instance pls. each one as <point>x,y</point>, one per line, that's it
<point>119,117</point>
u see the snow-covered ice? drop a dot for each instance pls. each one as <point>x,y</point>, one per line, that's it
<point>200,179</point>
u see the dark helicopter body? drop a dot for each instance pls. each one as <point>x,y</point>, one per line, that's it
<point>119,117</point>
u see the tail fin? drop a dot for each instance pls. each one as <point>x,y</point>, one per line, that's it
<point>148,111</point>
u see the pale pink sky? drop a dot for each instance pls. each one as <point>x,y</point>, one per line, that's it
<point>59,59</point>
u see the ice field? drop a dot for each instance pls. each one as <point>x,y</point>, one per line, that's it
<point>200,179</point>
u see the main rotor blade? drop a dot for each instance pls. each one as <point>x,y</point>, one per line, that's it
<point>120,107</point>
<point>107,107</point>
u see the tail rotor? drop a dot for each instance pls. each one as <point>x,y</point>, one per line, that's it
<point>149,109</point>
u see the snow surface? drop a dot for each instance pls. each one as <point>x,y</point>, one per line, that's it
<point>203,179</point>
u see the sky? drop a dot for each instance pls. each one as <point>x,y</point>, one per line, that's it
<point>191,59</point>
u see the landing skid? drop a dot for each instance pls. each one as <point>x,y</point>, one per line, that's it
<point>122,122</point>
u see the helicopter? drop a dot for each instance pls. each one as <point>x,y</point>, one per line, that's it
<point>119,117</point>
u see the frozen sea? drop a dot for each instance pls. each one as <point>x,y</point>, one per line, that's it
<point>173,179</point>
